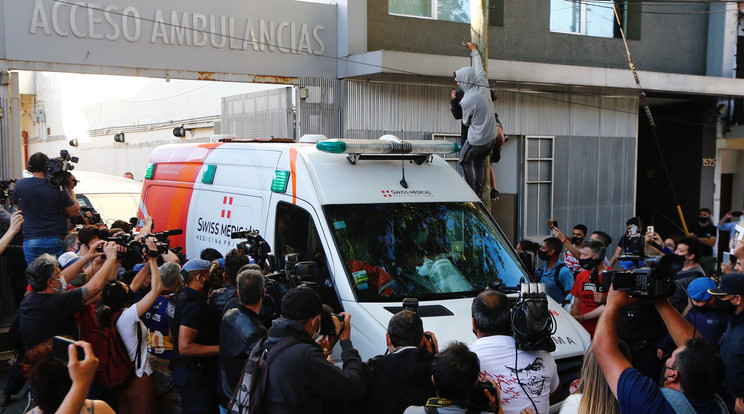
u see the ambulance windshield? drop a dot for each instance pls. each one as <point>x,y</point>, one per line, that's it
<point>424,250</point>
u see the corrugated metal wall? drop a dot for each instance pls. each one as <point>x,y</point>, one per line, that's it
<point>260,114</point>
<point>320,111</point>
<point>595,137</point>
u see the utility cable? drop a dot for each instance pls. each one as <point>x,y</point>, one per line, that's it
<point>647,110</point>
<point>348,60</point>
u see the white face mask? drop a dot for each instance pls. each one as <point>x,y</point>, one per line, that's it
<point>63,284</point>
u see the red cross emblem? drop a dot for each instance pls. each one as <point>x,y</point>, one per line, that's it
<point>386,193</point>
<point>226,201</point>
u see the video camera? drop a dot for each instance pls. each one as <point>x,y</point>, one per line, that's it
<point>654,279</point>
<point>532,323</point>
<point>5,190</point>
<point>254,245</point>
<point>135,249</point>
<point>93,218</point>
<point>57,169</point>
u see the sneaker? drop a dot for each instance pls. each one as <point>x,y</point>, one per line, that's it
<point>494,194</point>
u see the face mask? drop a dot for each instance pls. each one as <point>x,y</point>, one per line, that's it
<point>725,306</point>
<point>542,254</point>
<point>588,263</point>
<point>683,257</point>
<point>704,219</point>
<point>577,240</point>
<point>702,309</point>
<point>63,284</point>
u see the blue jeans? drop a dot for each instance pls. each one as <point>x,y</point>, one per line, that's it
<point>36,247</point>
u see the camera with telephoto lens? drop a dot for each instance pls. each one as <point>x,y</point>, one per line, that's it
<point>58,169</point>
<point>326,322</point>
<point>162,240</point>
<point>654,279</point>
<point>5,190</point>
<point>254,245</point>
<point>478,400</point>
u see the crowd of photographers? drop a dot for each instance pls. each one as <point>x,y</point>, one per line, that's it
<point>159,333</point>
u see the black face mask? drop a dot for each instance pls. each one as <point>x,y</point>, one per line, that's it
<point>588,263</point>
<point>542,254</point>
<point>703,219</point>
<point>702,309</point>
<point>577,240</point>
<point>725,306</point>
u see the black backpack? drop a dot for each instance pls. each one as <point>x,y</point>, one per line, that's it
<point>248,394</point>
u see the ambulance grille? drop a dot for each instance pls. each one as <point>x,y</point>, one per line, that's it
<point>424,311</point>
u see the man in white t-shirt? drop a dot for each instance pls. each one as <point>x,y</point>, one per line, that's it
<point>526,379</point>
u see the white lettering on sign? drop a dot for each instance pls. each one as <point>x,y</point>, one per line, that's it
<point>93,21</point>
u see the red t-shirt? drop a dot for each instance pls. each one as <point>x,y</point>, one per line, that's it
<point>583,292</point>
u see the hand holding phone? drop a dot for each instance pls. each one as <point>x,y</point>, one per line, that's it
<point>60,348</point>
<point>650,230</point>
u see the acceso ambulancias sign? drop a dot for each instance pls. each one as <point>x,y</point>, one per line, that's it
<point>273,38</point>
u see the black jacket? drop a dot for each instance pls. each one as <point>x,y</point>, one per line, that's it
<point>240,331</point>
<point>219,299</point>
<point>301,380</point>
<point>398,380</point>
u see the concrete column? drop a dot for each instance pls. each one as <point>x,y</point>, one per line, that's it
<point>17,161</point>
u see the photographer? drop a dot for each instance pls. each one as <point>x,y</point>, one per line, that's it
<point>692,376</point>
<point>44,208</point>
<point>629,242</point>
<point>496,349</point>
<point>301,379</point>
<point>402,377</point>
<point>49,309</point>
<point>240,330</point>
<point>455,375</point>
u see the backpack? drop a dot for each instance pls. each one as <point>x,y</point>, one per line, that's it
<point>114,366</point>
<point>248,394</point>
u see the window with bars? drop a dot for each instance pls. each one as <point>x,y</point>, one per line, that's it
<point>538,183</point>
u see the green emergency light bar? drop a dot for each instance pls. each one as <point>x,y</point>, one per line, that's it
<point>387,144</point>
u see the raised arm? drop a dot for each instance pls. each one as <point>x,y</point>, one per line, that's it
<point>87,254</point>
<point>679,329</point>
<point>156,284</point>
<point>106,273</point>
<point>605,348</point>
<point>16,221</point>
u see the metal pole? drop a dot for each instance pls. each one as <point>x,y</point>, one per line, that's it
<point>479,36</point>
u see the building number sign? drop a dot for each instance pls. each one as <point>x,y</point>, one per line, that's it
<point>709,162</point>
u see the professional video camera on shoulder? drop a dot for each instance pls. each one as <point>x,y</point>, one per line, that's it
<point>254,245</point>
<point>58,169</point>
<point>654,279</point>
<point>532,323</point>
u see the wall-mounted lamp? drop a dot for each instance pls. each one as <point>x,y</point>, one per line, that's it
<point>119,137</point>
<point>74,142</point>
<point>179,131</point>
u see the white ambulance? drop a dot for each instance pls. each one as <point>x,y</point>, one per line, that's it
<point>381,228</point>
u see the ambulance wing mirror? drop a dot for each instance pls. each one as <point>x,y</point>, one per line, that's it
<point>305,271</point>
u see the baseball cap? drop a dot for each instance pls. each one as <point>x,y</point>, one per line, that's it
<point>698,288</point>
<point>66,259</point>
<point>731,284</point>
<point>301,303</point>
<point>196,264</point>
<point>138,267</point>
<point>221,262</point>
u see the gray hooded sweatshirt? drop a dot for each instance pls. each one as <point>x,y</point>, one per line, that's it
<point>477,111</point>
